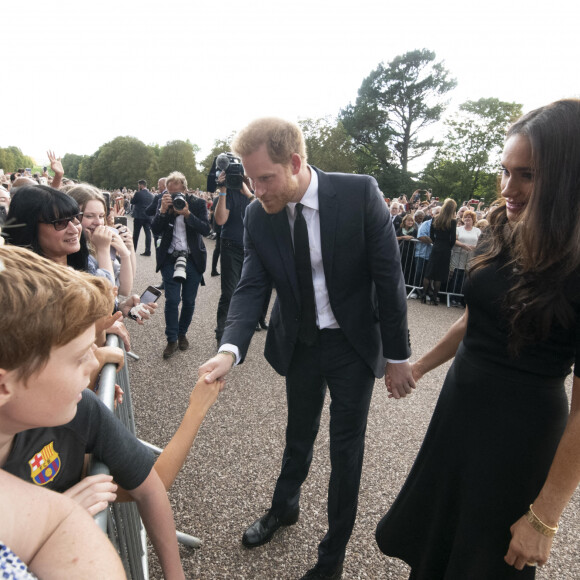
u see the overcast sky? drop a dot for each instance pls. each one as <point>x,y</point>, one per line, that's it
<point>78,74</point>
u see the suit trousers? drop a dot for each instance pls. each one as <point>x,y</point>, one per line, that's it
<point>334,363</point>
<point>146,225</point>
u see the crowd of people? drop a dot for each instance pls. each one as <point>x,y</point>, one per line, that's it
<point>480,502</point>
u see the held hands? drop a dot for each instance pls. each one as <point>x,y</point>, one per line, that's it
<point>399,380</point>
<point>216,368</point>
<point>205,394</point>
<point>93,493</point>
<point>527,546</point>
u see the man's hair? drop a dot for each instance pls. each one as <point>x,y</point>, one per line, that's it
<point>176,177</point>
<point>142,182</point>
<point>282,139</point>
<point>44,306</point>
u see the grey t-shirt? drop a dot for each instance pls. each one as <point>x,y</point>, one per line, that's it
<point>53,457</point>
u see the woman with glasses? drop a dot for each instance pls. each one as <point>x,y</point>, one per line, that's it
<point>48,222</point>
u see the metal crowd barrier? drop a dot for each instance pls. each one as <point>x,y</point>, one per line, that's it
<point>121,521</point>
<point>414,271</point>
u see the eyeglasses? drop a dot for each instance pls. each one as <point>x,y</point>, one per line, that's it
<point>62,223</point>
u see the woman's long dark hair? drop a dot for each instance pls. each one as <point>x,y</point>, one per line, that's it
<point>32,204</point>
<point>543,247</point>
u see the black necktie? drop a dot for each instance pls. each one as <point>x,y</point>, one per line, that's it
<point>308,331</point>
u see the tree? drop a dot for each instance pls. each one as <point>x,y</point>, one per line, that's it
<point>71,164</point>
<point>12,158</point>
<point>328,145</point>
<point>466,164</point>
<point>179,156</point>
<point>394,104</point>
<point>121,162</point>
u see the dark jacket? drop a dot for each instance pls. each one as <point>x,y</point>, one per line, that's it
<point>361,265</point>
<point>140,202</point>
<point>196,226</point>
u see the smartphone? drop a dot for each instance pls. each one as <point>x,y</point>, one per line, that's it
<point>107,197</point>
<point>121,219</point>
<point>151,294</point>
<point>119,204</point>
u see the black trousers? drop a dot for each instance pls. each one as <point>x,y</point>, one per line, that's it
<point>232,259</point>
<point>334,363</point>
<point>146,225</point>
<point>216,252</point>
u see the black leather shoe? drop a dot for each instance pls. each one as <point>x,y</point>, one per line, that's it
<point>182,342</point>
<point>263,323</point>
<point>318,574</point>
<point>146,254</point>
<point>215,273</point>
<point>262,530</point>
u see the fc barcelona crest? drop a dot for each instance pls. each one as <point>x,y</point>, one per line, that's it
<point>44,465</point>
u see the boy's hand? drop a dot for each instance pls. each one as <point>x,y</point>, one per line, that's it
<point>110,354</point>
<point>94,492</point>
<point>204,395</point>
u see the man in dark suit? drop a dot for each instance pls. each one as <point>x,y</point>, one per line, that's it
<point>340,312</point>
<point>140,202</point>
<point>181,230</point>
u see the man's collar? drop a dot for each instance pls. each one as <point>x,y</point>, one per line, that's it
<point>310,197</point>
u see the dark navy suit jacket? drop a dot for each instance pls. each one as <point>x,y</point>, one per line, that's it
<point>362,268</point>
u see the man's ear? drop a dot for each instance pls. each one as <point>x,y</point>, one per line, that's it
<point>296,163</point>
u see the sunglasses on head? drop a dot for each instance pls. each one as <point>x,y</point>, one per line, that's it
<point>62,223</point>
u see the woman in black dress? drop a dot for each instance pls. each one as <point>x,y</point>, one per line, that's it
<point>443,235</point>
<point>500,459</point>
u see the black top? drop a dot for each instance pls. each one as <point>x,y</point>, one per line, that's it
<point>487,332</point>
<point>233,229</point>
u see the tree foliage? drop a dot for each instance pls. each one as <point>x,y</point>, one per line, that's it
<point>466,164</point>
<point>394,104</point>
<point>121,162</point>
<point>71,164</point>
<point>328,145</point>
<point>12,158</point>
<point>178,156</point>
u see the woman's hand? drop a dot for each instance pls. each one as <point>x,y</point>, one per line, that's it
<point>527,546</point>
<point>102,237</point>
<point>118,243</point>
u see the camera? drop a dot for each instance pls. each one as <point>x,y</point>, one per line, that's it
<point>232,166</point>
<point>179,201</point>
<point>180,265</point>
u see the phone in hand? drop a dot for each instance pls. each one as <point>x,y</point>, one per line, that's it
<point>121,219</point>
<point>151,294</point>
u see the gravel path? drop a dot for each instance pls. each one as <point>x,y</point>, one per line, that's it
<point>229,476</point>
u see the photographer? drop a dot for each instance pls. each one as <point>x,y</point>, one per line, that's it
<point>229,214</point>
<point>181,221</point>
